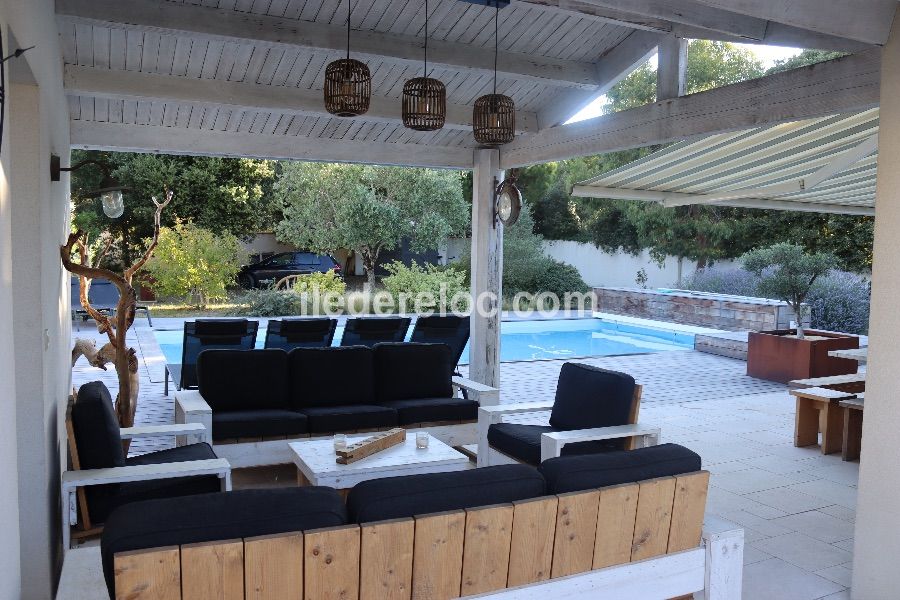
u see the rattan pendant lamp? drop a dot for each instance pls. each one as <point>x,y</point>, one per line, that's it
<point>348,83</point>
<point>424,98</point>
<point>494,116</point>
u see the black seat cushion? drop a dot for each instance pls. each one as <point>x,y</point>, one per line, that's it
<point>433,410</point>
<point>257,423</point>
<point>574,473</point>
<point>588,397</point>
<point>399,497</point>
<point>523,442</point>
<point>328,419</point>
<point>96,428</point>
<point>409,371</point>
<point>232,380</point>
<point>331,376</point>
<point>102,499</point>
<point>219,516</point>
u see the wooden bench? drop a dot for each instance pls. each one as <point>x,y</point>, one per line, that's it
<point>818,409</point>
<point>853,418</point>
<point>853,384</point>
<point>637,540</point>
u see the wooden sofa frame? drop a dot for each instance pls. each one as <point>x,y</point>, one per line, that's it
<point>638,436</point>
<point>75,511</point>
<point>190,407</point>
<point>642,540</point>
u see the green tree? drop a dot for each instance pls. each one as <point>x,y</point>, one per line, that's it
<point>195,263</point>
<point>805,58</point>
<point>219,194</point>
<point>368,209</point>
<point>555,215</point>
<point>787,272</point>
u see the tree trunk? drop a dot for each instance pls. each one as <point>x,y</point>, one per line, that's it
<point>370,261</point>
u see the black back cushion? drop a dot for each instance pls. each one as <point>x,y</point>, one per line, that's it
<point>96,428</point>
<point>331,376</point>
<point>409,371</point>
<point>232,380</point>
<point>590,471</point>
<point>218,516</point>
<point>588,397</point>
<point>399,497</point>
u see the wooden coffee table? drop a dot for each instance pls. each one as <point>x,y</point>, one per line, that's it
<point>316,465</point>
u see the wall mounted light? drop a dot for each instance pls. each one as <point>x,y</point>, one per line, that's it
<point>110,191</point>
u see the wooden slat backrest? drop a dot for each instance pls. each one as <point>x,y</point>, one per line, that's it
<point>386,560</point>
<point>633,414</point>
<point>433,557</point>
<point>331,563</point>
<point>273,567</point>
<point>83,513</point>
<point>486,549</point>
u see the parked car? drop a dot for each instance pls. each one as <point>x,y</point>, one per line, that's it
<point>272,269</point>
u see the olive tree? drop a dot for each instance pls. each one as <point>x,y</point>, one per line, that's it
<point>787,272</point>
<point>368,209</point>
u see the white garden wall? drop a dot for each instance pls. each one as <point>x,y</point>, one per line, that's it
<point>599,269</point>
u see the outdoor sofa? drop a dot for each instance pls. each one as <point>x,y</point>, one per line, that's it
<point>625,524</point>
<point>255,400</point>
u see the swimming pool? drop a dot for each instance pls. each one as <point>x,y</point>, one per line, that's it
<point>532,340</point>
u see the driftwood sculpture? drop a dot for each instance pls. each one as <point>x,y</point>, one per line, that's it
<point>116,350</point>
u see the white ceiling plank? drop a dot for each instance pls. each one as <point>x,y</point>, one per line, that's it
<point>108,84</point>
<point>214,24</point>
<point>136,138</point>
<point>846,84</point>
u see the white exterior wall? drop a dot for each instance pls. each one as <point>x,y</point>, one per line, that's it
<point>600,269</point>
<point>34,312</point>
<point>877,539</point>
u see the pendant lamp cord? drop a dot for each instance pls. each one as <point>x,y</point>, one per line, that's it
<point>496,42</point>
<point>349,9</point>
<point>426,38</point>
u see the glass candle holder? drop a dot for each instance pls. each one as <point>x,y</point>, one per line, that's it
<point>340,442</point>
<point>421,440</point>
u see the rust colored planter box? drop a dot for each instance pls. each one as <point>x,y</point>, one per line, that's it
<point>777,356</point>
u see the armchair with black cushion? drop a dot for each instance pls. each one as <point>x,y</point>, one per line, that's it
<point>208,334</point>
<point>452,330</point>
<point>368,331</point>
<point>103,477</point>
<point>595,410</point>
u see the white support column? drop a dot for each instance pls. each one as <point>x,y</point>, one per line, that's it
<point>877,545</point>
<point>671,68</point>
<point>487,269</point>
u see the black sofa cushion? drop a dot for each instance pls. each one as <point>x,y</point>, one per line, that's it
<point>432,410</point>
<point>523,442</point>
<point>589,397</point>
<point>410,371</point>
<point>96,428</point>
<point>399,497</point>
<point>574,473</point>
<point>327,419</point>
<point>232,380</point>
<point>219,516</point>
<point>103,499</point>
<point>331,376</point>
<point>257,423</point>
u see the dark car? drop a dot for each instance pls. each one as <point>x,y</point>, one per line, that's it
<point>272,269</point>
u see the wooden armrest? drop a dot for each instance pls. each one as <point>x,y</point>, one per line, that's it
<point>552,443</point>
<point>820,393</point>
<point>485,395</point>
<point>495,412</point>
<point>128,433</point>
<point>212,466</point>
<point>190,401</point>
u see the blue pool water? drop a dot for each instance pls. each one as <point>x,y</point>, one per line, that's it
<point>531,340</point>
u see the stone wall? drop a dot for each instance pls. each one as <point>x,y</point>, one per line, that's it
<point>730,313</point>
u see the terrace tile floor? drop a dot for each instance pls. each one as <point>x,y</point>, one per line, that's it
<point>797,507</point>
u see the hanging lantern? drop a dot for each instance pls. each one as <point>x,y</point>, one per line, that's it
<point>494,115</point>
<point>348,84</point>
<point>424,98</point>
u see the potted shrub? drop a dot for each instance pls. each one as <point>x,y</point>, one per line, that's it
<point>788,273</point>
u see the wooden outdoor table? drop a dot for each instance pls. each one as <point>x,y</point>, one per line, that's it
<point>853,419</point>
<point>818,409</point>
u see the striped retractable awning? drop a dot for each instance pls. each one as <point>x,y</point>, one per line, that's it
<point>827,164</point>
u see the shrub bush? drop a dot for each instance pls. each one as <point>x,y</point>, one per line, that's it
<point>424,286</point>
<point>723,281</point>
<point>321,283</point>
<point>840,302</point>
<point>194,263</point>
<point>271,303</point>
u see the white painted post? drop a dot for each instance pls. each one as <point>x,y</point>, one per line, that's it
<point>724,560</point>
<point>877,545</point>
<point>487,269</point>
<point>671,68</point>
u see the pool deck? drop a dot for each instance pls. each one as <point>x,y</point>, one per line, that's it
<point>796,505</point>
